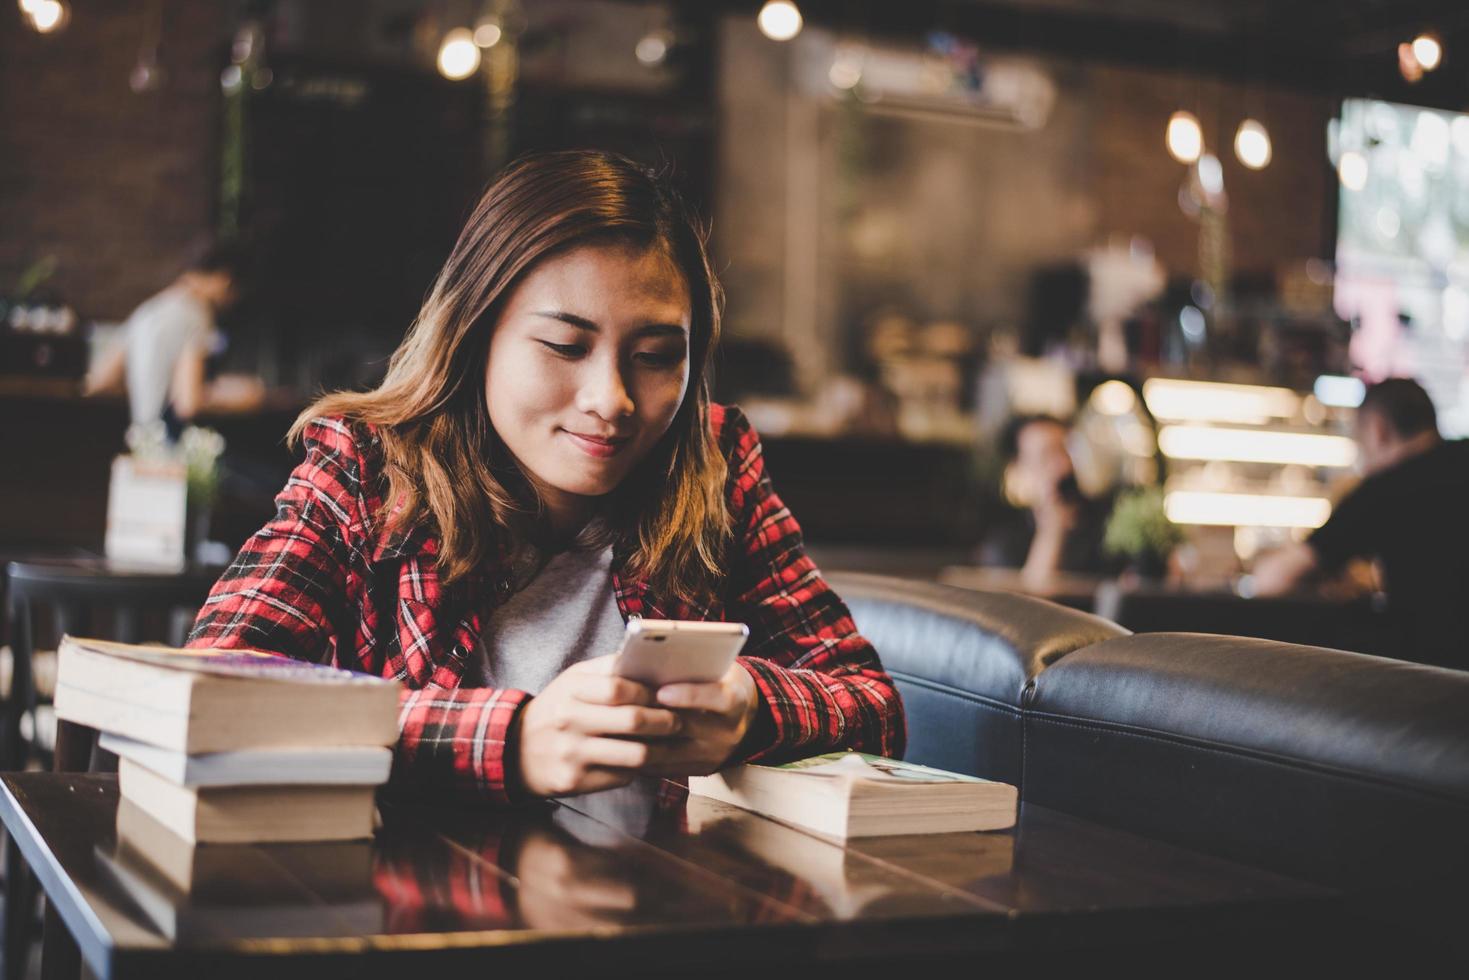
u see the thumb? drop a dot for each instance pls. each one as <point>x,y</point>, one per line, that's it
<point>597,665</point>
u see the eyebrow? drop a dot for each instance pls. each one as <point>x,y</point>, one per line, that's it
<point>582,323</point>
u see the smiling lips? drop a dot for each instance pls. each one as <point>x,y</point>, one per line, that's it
<point>600,447</point>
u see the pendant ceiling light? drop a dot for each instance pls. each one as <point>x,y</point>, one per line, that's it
<point>458,54</point>
<point>1185,138</point>
<point>779,20</point>
<point>1252,144</point>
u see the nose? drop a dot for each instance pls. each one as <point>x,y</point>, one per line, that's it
<point>604,391</point>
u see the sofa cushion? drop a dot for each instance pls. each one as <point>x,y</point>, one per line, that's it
<point>963,661</point>
<point>1341,767</point>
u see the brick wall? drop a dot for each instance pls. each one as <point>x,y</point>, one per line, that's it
<point>1276,215</point>
<point>116,186</point>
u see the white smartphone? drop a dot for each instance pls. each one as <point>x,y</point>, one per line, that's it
<point>668,651</point>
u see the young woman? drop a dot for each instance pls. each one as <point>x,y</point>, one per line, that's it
<point>541,463</point>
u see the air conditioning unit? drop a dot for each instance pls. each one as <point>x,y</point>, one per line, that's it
<point>947,81</point>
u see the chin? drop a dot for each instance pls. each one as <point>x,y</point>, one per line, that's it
<point>582,486</point>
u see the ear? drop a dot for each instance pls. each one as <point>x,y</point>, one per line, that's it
<point>1373,428</point>
<point>1015,494</point>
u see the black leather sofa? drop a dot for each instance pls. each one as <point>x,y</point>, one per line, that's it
<point>965,663</point>
<point>1338,768</point>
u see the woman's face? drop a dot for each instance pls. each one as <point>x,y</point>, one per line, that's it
<point>588,365</point>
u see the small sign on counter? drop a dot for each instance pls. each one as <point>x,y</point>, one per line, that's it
<point>147,511</point>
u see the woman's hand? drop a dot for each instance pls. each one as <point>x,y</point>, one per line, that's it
<point>581,734</point>
<point>715,718</point>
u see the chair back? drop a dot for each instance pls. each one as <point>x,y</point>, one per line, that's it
<point>84,597</point>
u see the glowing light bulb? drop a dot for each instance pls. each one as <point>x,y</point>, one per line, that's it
<point>779,20</point>
<point>1252,145</point>
<point>1352,168</point>
<point>488,33</point>
<point>458,55</point>
<point>1428,51</point>
<point>846,71</point>
<point>146,76</point>
<point>652,50</point>
<point>1211,174</point>
<point>47,15</point>
<point>1185,138</point>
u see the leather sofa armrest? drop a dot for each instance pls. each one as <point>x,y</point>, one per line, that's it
<point>988,643</point>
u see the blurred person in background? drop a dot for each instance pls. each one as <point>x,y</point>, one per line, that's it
<point>161,360</point>
<point>1410,513</point>
<point>1055,527</point>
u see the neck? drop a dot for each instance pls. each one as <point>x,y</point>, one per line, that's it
<point>566,516</point>
<point>199,290</point>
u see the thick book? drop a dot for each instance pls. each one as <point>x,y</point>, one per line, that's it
<point>247,814</point>
<point>350,765</point>
<point>851,794</point>
<point>195,701</point>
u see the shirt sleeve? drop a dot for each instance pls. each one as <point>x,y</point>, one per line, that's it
<point>1350,531</point>
<point>287,588</point>
<point>822,687</point>
<point>290,591</point>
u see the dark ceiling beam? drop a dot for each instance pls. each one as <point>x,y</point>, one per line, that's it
<point>1300,52</point>
<point>1345,27</point>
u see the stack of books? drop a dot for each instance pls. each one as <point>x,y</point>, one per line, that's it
<point>234,746</point>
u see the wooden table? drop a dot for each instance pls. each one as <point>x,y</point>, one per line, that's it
<point>643,878</point>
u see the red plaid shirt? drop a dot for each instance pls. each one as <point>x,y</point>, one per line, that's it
<point>323,582</point>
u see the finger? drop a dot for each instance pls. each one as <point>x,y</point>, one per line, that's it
<point>624,720</point>
<point>615,753</point>
<point>715,697</point>
<point>683,757</point>
<point>598,689</point>
<point>598,778</point>
<point>595,665</point>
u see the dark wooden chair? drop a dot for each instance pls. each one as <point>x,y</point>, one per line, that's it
<point>86,597</point>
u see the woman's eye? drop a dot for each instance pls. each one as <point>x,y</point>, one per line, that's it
<point>564,350</point>
<point>659,358</point>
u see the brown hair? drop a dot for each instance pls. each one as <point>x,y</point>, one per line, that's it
<point>446,467</point>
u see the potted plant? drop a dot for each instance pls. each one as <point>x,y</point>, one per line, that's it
<point>1139,531</point>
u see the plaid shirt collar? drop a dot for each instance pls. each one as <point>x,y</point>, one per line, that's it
<point>418,543</point>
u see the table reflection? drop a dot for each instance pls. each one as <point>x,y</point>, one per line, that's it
<point>574,865</point>
<point>197,894</point>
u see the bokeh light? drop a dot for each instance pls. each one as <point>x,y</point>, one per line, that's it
<point>1185,138</point>
<point>779,20</point>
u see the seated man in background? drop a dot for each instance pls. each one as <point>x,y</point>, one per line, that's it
<point>1059,529</point>
<point>1411,513</point>
<point>166,342</point>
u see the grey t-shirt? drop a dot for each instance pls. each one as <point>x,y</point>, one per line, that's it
<point>565,615</point>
